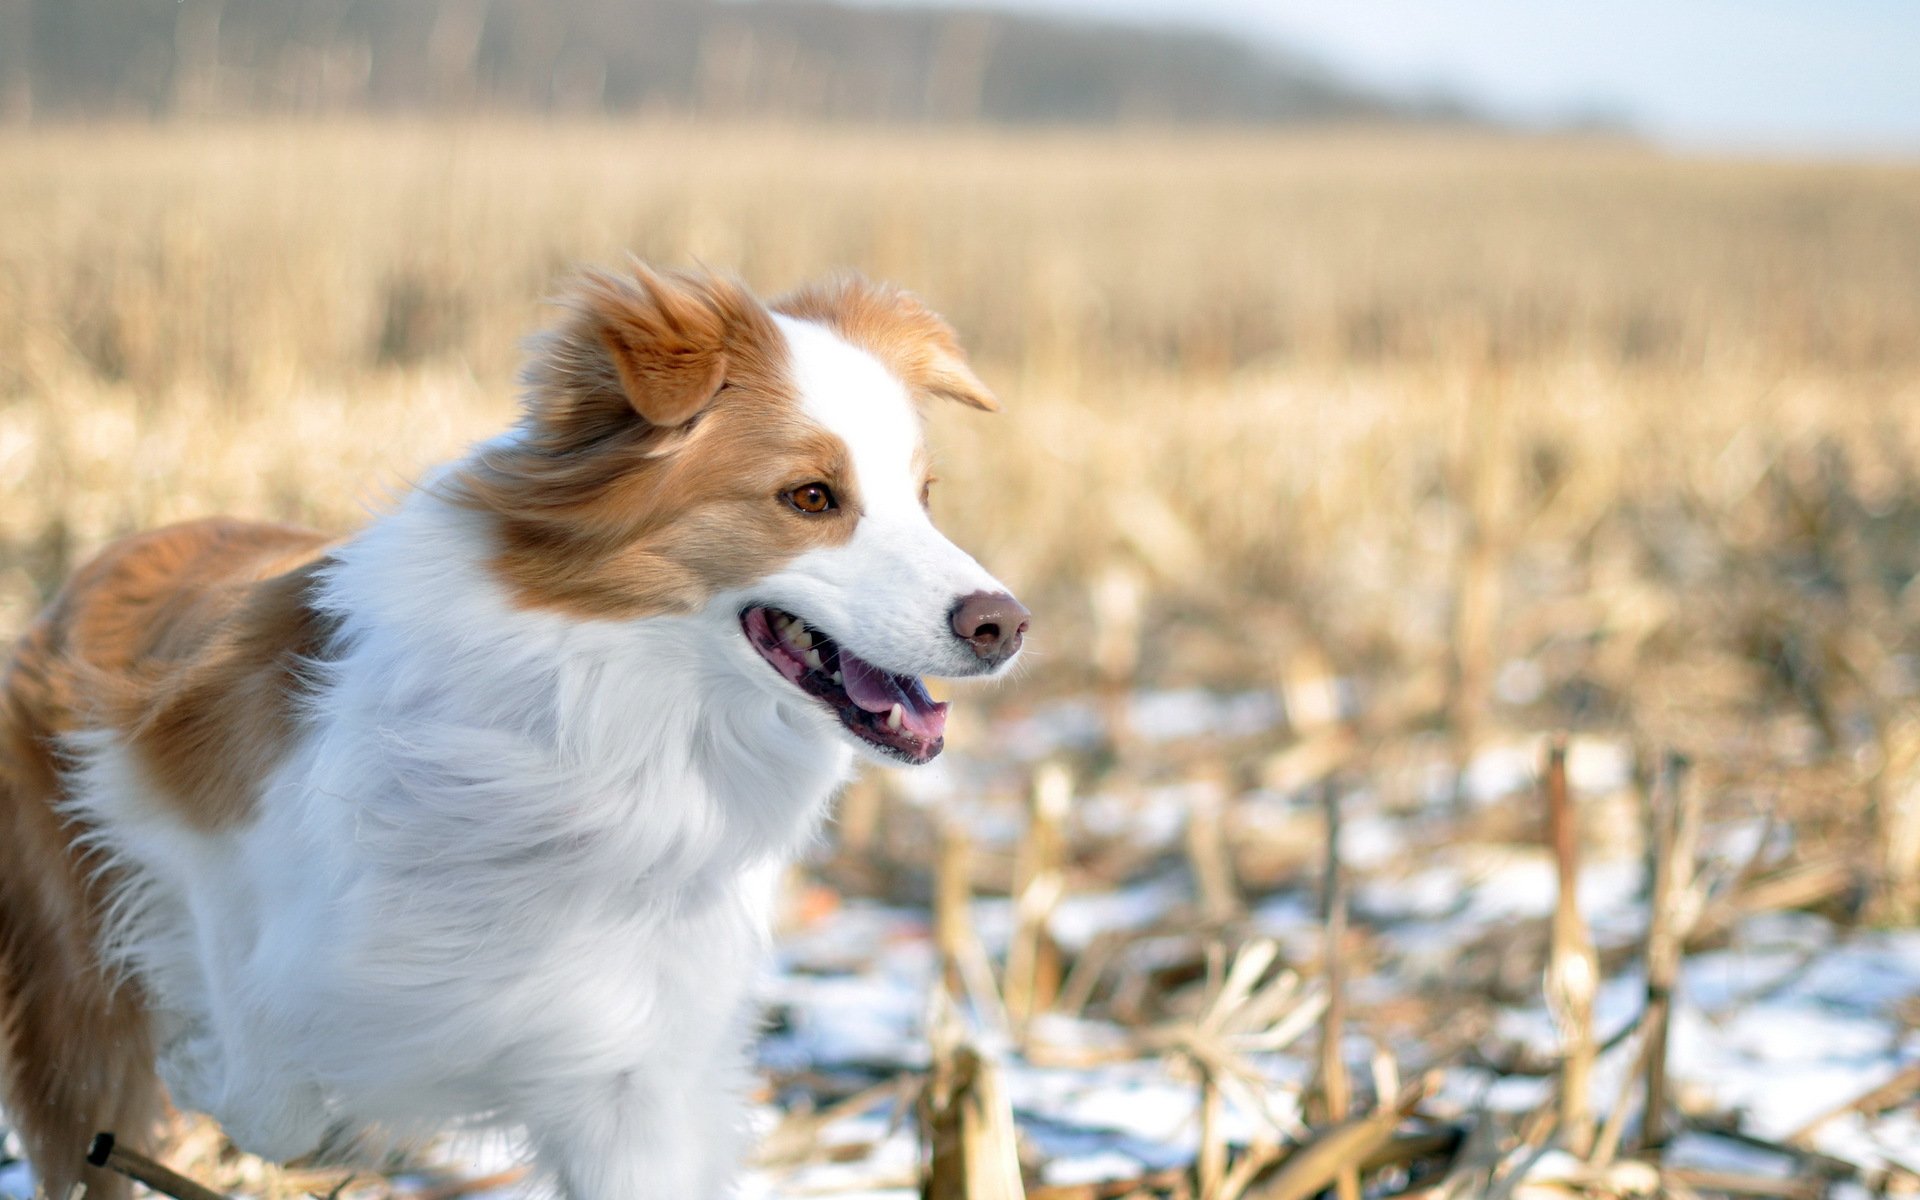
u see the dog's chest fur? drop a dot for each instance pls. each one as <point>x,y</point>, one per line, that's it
<point>515,847</point>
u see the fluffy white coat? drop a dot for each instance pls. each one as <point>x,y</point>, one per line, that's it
<point>518,870</point>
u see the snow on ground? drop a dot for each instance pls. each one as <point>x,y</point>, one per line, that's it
<point>1788,1020</point>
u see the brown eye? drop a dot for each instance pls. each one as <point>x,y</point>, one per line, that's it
<point>813,498</point>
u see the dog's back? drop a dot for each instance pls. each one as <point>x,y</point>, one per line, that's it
<point>165,636</point>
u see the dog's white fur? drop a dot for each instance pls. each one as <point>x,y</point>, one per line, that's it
<point>518,869</point>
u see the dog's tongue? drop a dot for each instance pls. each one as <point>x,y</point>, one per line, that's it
<point>878,691</point>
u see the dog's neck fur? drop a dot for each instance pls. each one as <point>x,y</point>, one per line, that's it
<point>532,733</point>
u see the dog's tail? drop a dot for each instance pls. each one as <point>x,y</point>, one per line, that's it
<point>76,1053</point>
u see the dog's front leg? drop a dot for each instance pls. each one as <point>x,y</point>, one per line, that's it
<point>642,1136</point>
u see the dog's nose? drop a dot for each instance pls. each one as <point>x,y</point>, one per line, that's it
<point>992,623</point>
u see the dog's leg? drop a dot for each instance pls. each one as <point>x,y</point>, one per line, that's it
<point>263,1102</point>
<point>653,1136</point>
<point>75,1054</point>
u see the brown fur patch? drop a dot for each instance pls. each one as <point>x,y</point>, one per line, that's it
<point>667,341</point>
<point>188,642</point>
<point>603,512</point>
<point>76,1055</point>
<point>892,324</point>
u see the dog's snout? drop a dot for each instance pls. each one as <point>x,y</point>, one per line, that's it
<point>993,623</point>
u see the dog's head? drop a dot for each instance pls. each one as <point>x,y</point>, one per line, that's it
<point>690,450</point>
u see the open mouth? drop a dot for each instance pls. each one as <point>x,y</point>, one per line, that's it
<point>891,712</point>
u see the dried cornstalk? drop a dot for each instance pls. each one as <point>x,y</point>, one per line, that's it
<point>1674,817</point>
<point>105,1151</point>
<point>965,1120</point>
<point>797,1136</point>
<point>1032,977</point>
<point>1338,1151</point>
<point>1311,759</point>
<point>1310,692</point>
<point>1208,854</point>
<point>1899,816</point>
<point>965,970</point>
<point>1088,969</point>
<point>1342,1148</point>
<point>1171,1179</point>
<point>1210,1167</point>
<point>1799,885</point>
<point>1258,1157</point>
<point>1470,1175</point>
<point>857,815</point>
<point>1335,1092</point>
<point>1679,1181</point>
<point>1242,1016</point>
<point>1904,1086</point>
<point>1573,969</point>
<point>953,891</point>
<point>1607,1145</point>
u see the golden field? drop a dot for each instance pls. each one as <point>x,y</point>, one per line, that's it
<point>1398,397</point>
<point>1447,440</point>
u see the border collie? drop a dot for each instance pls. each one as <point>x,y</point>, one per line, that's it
<point>473,817</point>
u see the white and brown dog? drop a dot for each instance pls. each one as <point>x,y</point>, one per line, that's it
<point>472,817</point>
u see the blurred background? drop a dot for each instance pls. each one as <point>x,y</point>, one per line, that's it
<point>1401,399</point>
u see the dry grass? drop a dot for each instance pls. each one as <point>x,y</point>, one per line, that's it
<point>1319,370</point>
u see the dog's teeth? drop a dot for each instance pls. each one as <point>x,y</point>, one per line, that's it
<point>839,678</point>
<point>802,640</point>
<point>894,717</point>
<point>813,659</point>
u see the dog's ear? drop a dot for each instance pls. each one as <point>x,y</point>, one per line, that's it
<point>664,336</point>
<point>893,325</point>
<point>929,355</point>
<point>946,373</point>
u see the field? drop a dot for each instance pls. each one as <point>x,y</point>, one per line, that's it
<point>1343,471</point>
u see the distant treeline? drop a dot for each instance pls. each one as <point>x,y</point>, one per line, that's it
<point>801,58</point>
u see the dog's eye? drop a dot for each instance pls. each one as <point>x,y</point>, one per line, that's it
<point>813,498</point>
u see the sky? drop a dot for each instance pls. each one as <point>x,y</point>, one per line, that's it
<point>1789,76</point>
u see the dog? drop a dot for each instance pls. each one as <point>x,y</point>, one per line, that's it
<point>474,817</point>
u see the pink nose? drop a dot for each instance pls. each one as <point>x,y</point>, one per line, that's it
<point>993,623</point>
